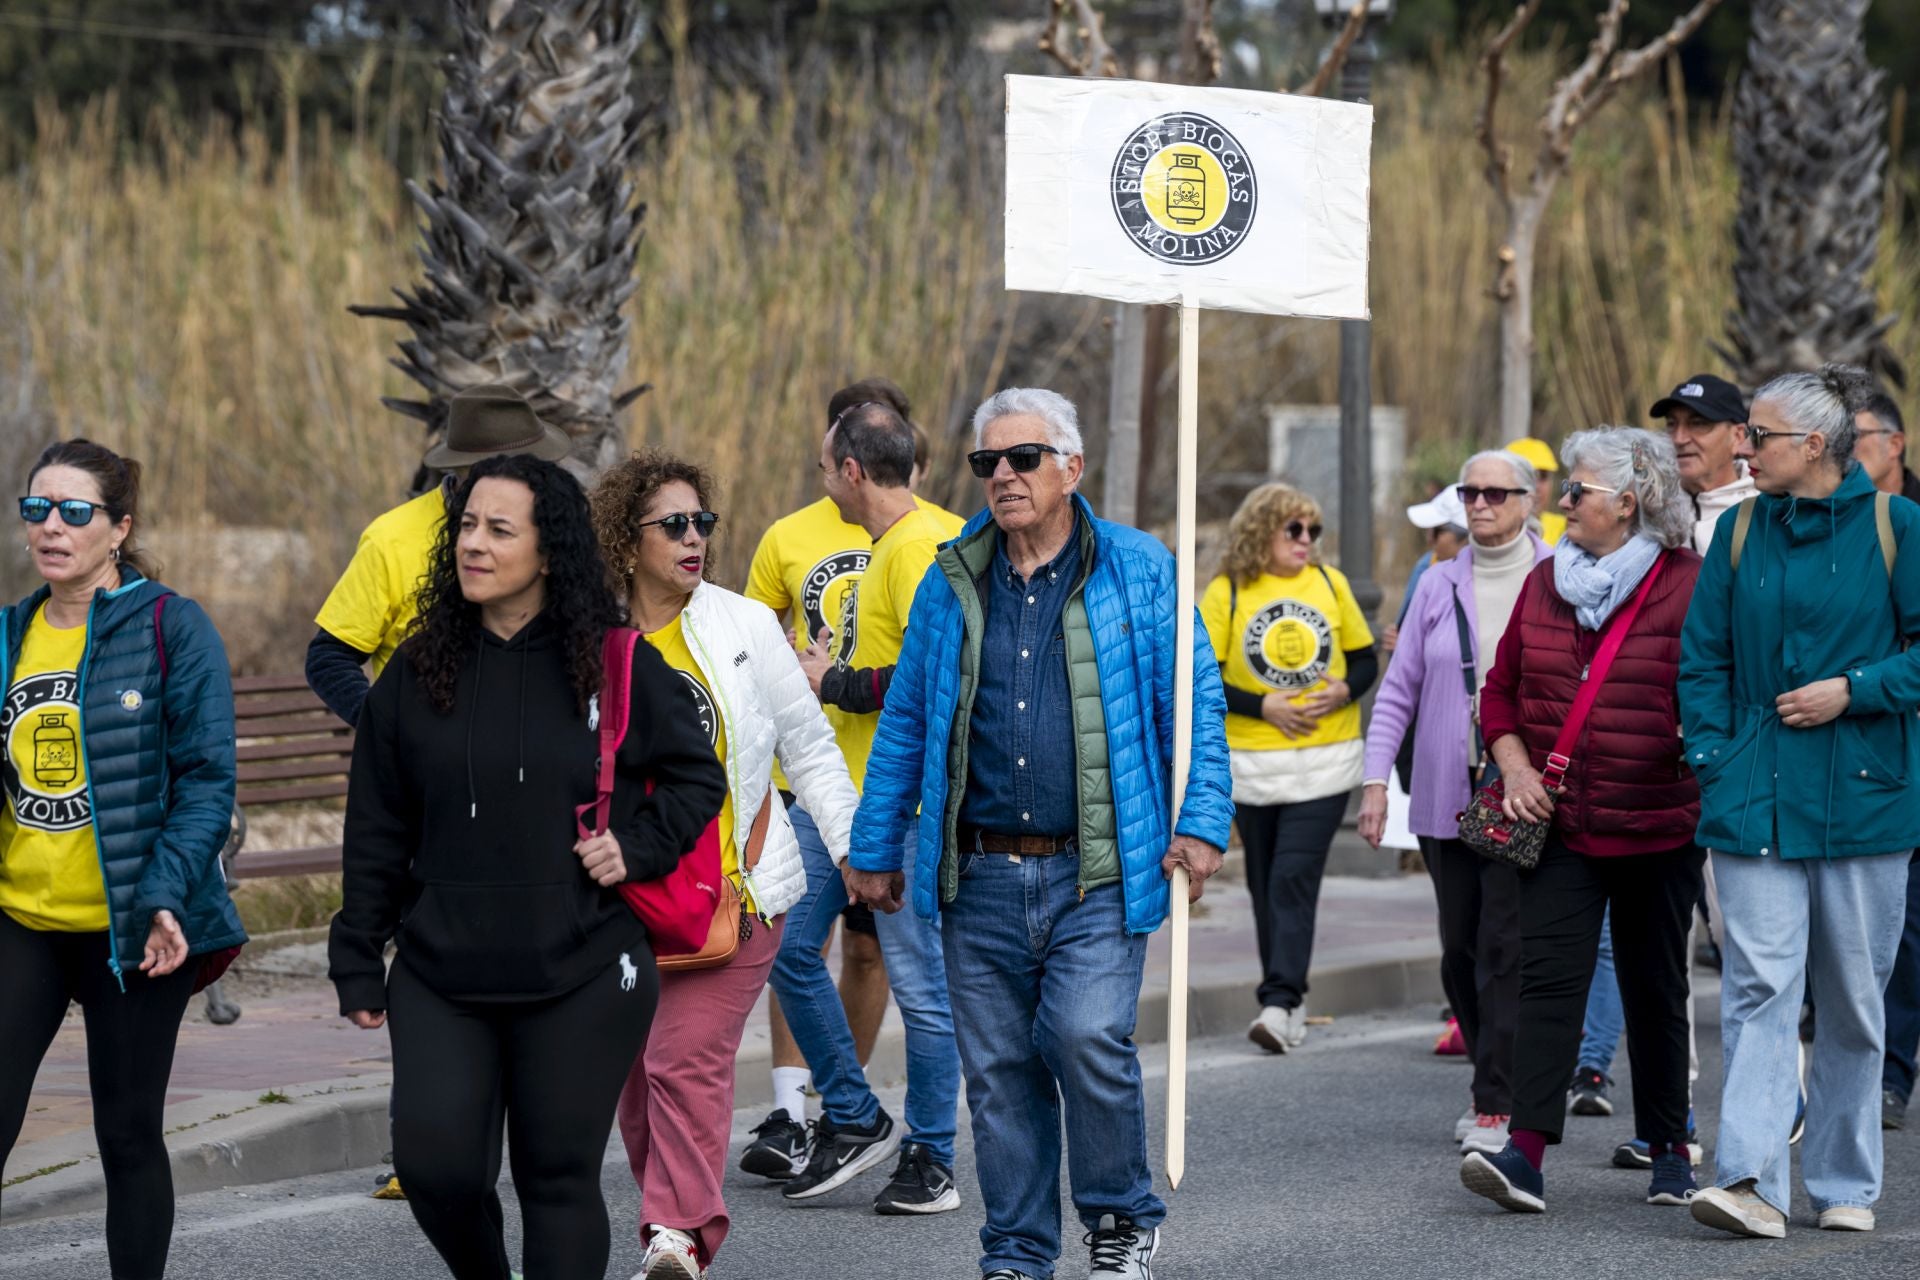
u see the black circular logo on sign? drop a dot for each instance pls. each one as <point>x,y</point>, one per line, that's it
<point>820,581</point>
<point>1288,645</point>
<point>703,704</point>
<point>1184,189</point>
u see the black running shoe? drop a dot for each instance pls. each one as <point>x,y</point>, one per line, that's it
<point>779,1149</point>
<point>835,1156</point>
<point>1589,1093</point>
<point>920,1184</point>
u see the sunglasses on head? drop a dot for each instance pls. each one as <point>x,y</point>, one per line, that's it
<point>73,511</point>
<point>1578,489</point>
<point>1472,493</point>
<point>1021,457</point>
<point>675,526</point>
<point>1295,528</point>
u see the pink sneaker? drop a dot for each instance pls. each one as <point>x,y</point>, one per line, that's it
<point>1451,1043</point>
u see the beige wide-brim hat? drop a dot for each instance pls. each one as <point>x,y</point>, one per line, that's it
<point>484,422</point>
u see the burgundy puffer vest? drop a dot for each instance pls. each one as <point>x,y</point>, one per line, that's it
<point>1629,790</point>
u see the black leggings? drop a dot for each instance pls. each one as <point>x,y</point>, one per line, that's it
<point>130,1038</point>
<point>548,1072</point>
<point>1286,846</point>
<point>1479,901</point>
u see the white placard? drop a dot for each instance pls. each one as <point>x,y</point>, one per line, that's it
<point>1219,198</point>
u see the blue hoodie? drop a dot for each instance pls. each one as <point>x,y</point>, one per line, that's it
<point>1811,601</point>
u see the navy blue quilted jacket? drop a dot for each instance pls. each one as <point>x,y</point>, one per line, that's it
<point>1129,595</point>
<point>159,760</point>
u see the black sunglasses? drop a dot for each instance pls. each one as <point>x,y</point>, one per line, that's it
<point>1758,436</point>
<point>1578,489</point>
<point>1471,493</point>
<point>1297,527</point>
<point>675,526</point>
<point>73,511</point>
<point>1022,457</point>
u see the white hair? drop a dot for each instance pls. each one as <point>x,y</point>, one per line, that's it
<point>1524,476</point>
<point>1642,463</point>
<point>1055,410</point>
<point>1823,401</point>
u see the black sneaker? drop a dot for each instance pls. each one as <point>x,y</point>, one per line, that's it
<point>779,1149</point>
<point>920,1184</point>
<point>835,1156</point>
<point>1893,1110</point>
<point>1589,1093</point>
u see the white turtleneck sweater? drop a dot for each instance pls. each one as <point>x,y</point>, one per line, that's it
<point>1498,575</point>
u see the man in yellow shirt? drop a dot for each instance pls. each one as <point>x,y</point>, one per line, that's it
<point>367,614</point>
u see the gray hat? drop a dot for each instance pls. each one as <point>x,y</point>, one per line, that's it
<point>484,422</point>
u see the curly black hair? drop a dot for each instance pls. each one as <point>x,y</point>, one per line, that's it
<point>580,595</point>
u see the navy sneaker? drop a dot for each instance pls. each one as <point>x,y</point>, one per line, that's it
<point>1506,1179</point>
<point>1637,1155</point>
<point>1672,1180</point>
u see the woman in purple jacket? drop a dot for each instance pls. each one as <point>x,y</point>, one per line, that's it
<point>1446,643</point>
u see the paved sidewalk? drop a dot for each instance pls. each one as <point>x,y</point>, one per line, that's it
<point>293,1089</point>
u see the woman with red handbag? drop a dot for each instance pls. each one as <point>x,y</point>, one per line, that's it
<point>752,703</point>
<point>524,985</point>
<point>1581,714</point>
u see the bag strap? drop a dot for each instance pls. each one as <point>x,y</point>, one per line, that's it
<point>1742,525</point>
<point>1470,677</point>
<point>1560,759</point>
<point>616,698</point>
<point>160,637</point>
<point>1883,525</point>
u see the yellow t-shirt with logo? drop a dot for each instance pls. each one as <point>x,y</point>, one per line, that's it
<point>49,862</point>
<point>1289,635</point>
<point>671,641</point>
<point>373,602</point>
<point>804,569</point>
<point>873,619</point>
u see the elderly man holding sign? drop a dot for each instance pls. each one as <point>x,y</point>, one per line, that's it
<point>1030,725</point>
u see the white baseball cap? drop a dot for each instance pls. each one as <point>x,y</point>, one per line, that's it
<point>1444,509</point>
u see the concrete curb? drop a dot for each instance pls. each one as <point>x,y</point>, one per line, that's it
<point>343,1125</point>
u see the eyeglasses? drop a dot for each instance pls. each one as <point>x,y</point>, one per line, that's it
<point>1022,457</point>
<point>1296,528</point>
<point>1578,489</point>
<point>73,511</point>
<point>1472,493</point>
<point>1758,436</point>
<point>675,526</point>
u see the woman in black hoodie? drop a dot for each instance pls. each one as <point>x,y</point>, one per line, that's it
<point>524,985</point>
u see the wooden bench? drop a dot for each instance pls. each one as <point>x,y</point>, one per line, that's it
<point>291,750</point>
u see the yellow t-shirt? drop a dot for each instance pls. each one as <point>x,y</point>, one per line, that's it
<point>804,570</point>
<point>1288,635</point>
<point>873,619</point>
<point>671,641</point>
<point>373,602</point>
<point>49,861</point>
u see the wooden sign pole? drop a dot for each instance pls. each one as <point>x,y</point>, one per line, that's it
<point>1186,473</point>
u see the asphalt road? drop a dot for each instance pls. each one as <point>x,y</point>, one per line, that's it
<point>1335,1162</point>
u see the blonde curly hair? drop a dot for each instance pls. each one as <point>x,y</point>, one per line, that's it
<point>1250,533</point>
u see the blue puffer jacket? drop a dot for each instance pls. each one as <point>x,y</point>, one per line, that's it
<point>1129,597</point>
<point>159,758</point>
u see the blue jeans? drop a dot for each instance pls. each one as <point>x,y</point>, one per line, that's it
<point>1903,998</point>
<point>1046,989</point>
<point>1606,1017</point>
<point>915,972</point>
<point>1834,923</point>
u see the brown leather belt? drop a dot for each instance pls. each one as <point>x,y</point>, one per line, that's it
<point>1025,846</point>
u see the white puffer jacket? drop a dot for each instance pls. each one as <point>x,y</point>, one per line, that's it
<point>769,709</point>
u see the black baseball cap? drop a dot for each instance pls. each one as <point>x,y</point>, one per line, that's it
<point>1714,399</point>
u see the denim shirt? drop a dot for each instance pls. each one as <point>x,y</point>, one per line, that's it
<point>1020,754</point>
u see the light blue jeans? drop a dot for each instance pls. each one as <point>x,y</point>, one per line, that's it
<point>1834,922</point>
<point>1046,990</point>
<point>915,972</point>
<point>1606,1017</point>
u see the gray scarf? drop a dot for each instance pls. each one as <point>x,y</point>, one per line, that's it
<point>1597,585</point>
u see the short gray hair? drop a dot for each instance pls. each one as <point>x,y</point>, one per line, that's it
<point>1824,401</point>
<point>1642,463</point>
<point>1524,476</point>
<point>1055,410</point>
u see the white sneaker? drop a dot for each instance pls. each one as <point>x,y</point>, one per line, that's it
<point>1297,1026</point>
<point>1846,1217</point>
<point>1269,1030</point>
<point>1465,1125</point>
<point>670,1256</point>
<point>1118,1248</point>
<point>1488,1136</point>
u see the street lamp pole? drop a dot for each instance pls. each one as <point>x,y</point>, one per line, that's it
<point>1356,356</point>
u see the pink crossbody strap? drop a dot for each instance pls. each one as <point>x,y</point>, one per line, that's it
<point>615,702</point>
<point>1560,759</point>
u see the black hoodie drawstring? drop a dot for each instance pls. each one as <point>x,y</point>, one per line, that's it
<point>520,730</point>
<point>473,711</point>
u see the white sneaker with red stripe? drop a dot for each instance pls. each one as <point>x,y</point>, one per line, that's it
<point>670,1256</point>
<point>1488,1135</point>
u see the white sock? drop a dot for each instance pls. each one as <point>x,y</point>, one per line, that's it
<point>790,1091</point>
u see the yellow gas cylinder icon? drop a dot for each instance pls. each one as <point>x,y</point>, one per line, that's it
<point>56,751</point>
<point>1186,189</point>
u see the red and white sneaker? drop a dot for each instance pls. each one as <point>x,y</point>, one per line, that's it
<point>670,1256</point>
